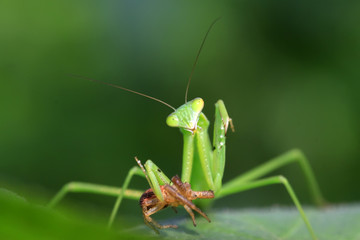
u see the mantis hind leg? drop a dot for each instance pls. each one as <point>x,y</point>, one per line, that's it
<point>277,180</point>
<point>120,193</point>
<point>292,156</point>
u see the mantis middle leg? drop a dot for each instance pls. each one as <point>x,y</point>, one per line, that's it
<point>120,193</point>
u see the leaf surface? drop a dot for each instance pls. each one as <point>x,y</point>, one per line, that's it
<point>22,220</point>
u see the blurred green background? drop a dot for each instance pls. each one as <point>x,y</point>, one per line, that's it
<point>288,72</point>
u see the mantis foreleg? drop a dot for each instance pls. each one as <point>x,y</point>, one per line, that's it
<point>198,148</point>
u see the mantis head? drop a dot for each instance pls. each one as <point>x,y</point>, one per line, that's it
<point>187,115</point>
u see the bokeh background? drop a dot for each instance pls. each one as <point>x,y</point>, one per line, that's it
<point>288,72</point>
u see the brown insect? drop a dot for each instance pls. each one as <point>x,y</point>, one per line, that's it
<point>178,193</point>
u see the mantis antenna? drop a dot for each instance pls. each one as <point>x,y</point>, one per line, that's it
<point>125,89</point>
<point>197,57</point>
<point>150,97</point>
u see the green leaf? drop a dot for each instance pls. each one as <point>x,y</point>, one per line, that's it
<point>22,220</point>
<point>331,223</point>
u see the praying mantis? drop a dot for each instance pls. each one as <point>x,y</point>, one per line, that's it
<point>203,165</point>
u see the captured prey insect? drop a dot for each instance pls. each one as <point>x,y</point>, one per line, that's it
<point>172,193</point>
<point>203,165</point>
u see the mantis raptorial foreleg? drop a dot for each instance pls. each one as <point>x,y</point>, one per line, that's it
<point>198,148</point>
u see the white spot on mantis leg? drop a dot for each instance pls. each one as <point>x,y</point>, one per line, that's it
<point>221,144</point>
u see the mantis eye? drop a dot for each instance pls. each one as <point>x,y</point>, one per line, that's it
<point>197,104</point>
<point>172,120</point>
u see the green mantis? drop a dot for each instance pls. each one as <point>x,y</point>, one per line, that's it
<point>203,162</point>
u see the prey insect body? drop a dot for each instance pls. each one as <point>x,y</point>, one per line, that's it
<point>174,194</point>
